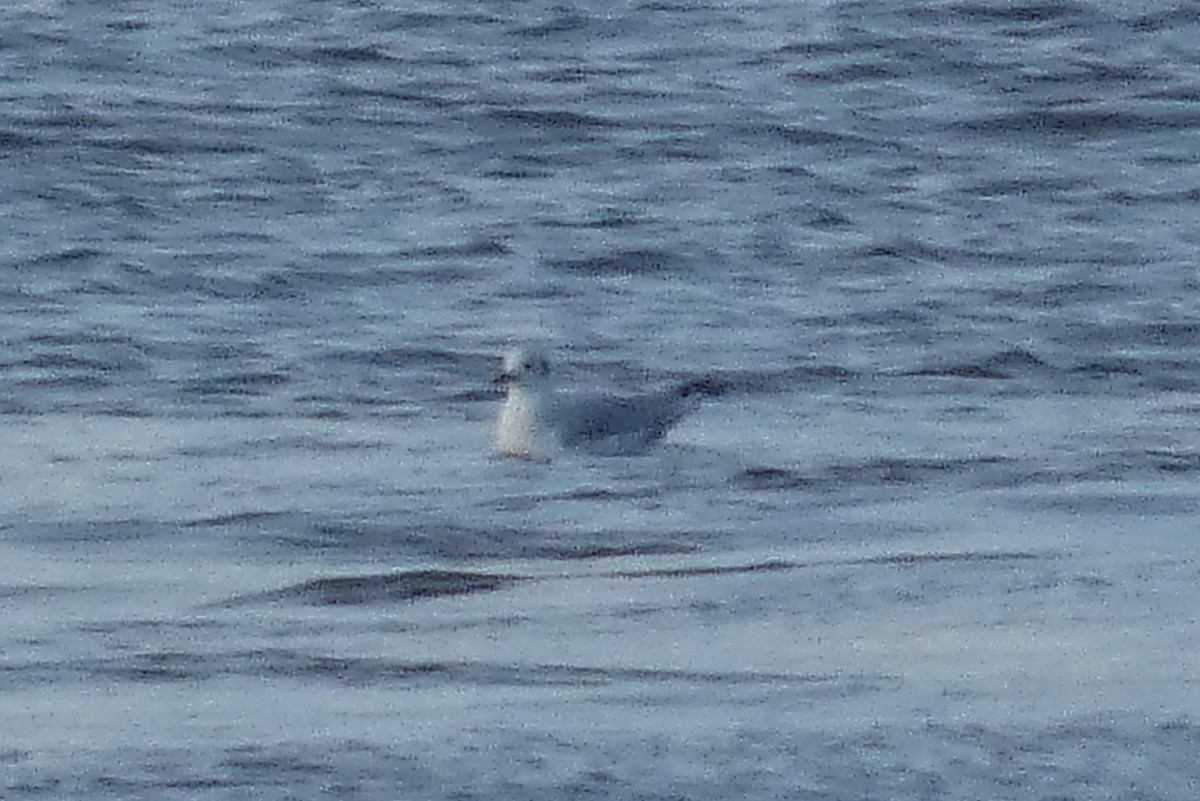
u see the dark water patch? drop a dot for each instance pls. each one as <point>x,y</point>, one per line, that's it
<point>349,269</point>
<point>350,55</point>
<point>826,218</point>
<point>11,141</point>
<point>1189,410</point>
<point>126,410</point>
<point>1092,582</point>
<point>1141,506</point>
<point>67,257</point>
<point>602,220</point>
<point>1041,185</point>
<point>16,675</point>
<point>98,533</point>
<point>576,676</point>
<point>560,24</point>
<point>1174,94</point>
<point>178,667</point>
<point>235,519</point>
<point>1173,198</point>
<point>444,98</point>
<point>1180,16</point>
<point>11,756</point>
<point>172,145</point>
<point>55,362</point>
<point>764,478</point>
<point>812,49</point>
<point>413,359</point>
<point>416,537</point>
<point>914,559</point>
<point>858,71</point>
<point>1006,364</point>
<point>1078,123</point>
<point>916,470</point>
<point>66,117</point>
<point>81,383</point>
<point>909,250</point>
<point>143,627</point>
<point>684,147</point>
<point>220,197</point>
<point>771,566</point>
<point>668,7</point>
<point>404,534</point>
<point>311,444</point>
<point>218,274</point>
<point>787,565</point>
<point>280,285</point>
<point>315,408</point>
<point>518,173</point>
<point>134,457</point>
<point>591,550</point>
<point>982,471</point>
<point>477,248</point>
<point>195,784</point>
<point>241,384</point>
<point>323,407</point>
<point>39,593</point>
<point>65,361</point>
<point>127,25</point>
<point>250,55</point>
<point>888,319</point>
<point>1127,464</point>
<point>272,762</point>
<point>833,143</point>
<point>1139,374</point>
<point>558,121</point>
<point>1106,367</point>
<point>381,588</point>
<point>959,371</point>
<point>549,290</point>
<point>605,494</point>
<point>623,263</point>
<point>165,667</point>
<point>1034,13</point>
<point>456,17</point>
<point>157,667</point>
<point>1172,376</point>
<point>1184,334</point>
<point>1171,461</point>
<point>581,73</point>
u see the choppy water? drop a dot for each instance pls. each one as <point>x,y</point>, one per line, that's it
<point>937,541</point>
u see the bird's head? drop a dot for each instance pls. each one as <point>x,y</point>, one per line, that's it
<point>524,366</point>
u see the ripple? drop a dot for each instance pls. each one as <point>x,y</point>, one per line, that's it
<point>380,588</point>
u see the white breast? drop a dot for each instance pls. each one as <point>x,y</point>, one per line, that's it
<point>515,430</point>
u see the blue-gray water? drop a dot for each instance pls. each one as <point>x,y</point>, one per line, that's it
<point>937,540</point>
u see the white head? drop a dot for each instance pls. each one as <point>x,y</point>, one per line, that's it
<point>525,367</point>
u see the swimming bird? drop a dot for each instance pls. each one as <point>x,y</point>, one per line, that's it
<point>609,425</point>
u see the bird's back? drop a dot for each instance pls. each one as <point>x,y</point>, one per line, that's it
<point>619,425</point>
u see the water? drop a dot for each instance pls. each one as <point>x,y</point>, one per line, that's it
<point>936,541</point>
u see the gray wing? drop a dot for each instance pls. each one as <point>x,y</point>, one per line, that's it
<point>617,423</point>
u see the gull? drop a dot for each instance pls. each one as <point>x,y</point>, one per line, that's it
<point>608,425</point>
